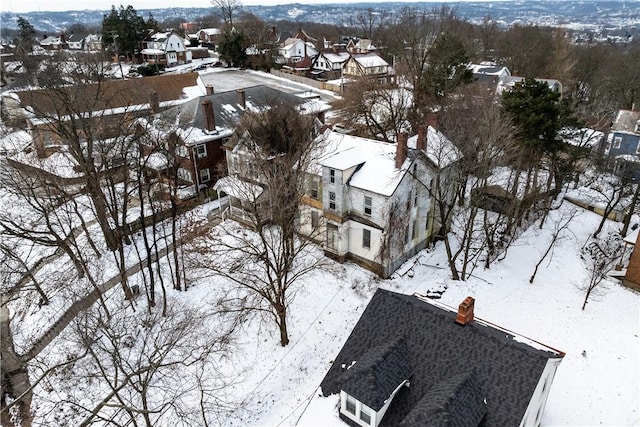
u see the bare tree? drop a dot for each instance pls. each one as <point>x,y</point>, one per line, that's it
<point>272,153</point>
<point>560,226</point>
<point>375,111</point>
<point>227,10</point>
<point>600,257</point>
<point>149,365</point>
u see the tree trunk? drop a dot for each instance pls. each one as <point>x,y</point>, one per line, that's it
<point>282,324</point>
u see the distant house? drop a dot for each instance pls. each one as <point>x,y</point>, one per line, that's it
<point>165,49</point>
<point>369,65</point>
<point>76,41</point>
<point>411,361</point>
<point>489,74</point>
<point>209,37</point>
<point>293,51</point>
<point>329,64</point>
<point>93,42</point>
<point>510,82</point>
<point>53,42</point>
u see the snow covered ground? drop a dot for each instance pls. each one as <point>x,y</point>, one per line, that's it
<point>598,382</point>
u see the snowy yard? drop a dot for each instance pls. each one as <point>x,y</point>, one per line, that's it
<point>597,382</point>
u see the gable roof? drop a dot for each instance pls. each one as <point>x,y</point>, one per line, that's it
<point>440,150</point>
<point>377,172</point>
<point>508,367</point>
<point>368,60</point>
<point>227,110</point>
<point>378,373</point>
<point>454,401</point>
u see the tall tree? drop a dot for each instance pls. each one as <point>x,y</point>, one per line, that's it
<point>26,35</point>
<point>233,48</point>
<point>227,11</point>
<point>123,30</point>
<point>274,150</point>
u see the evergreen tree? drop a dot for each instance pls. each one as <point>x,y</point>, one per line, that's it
<point>26,35</point>
<point>123,29</point>
<point>233,49</point>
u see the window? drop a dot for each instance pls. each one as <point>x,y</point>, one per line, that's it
<point>332,176</point>
<point>332,200</point>
<point>367,205</point>
<point>332,236</point>
<point>617,141</point>
<point>182,151</point>
<point>365,414</point>
<point>314,189</point>
<point>350,405</point>
<point>366,238</point>
<point>314,220</point>
<point>184,175</point>
<point>201,149</point>
<point>204,175</point>
<point>415,229</point>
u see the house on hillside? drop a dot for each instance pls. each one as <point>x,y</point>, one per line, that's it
<point>369,65</point>
<point>509,82</point>
<point>167,49</point>
<point>411,361</point>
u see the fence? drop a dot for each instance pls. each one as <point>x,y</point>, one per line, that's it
<point>307,81</point>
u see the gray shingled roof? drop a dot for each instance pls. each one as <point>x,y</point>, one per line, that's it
<point>439,350</point>
<point>457,401</point>
<point>227,109</point>
<point>378,373</point>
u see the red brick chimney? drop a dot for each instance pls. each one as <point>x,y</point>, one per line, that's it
<point>154,102</point>
<point>421,143</point>
<point>465,311</point>
<point>209,117</point>
<point>242,99</point>
<point>432,120</point>
<point>401,149</point>
<point>210,89</point>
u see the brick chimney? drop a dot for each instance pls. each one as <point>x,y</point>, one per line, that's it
<point>432,120</point>
<point>421,143</point>
<point>465,311</point>
<point>154,102</point>
<point>242,99</point>
<point>401,149</point>
<point>210,89</point>
<point>209,117</point>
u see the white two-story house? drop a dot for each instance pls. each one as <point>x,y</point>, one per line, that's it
<point>370,199</point>
<point>166,49</point>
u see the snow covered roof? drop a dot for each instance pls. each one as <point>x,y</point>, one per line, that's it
<point>369,60</point>
<point>440,151</point>
<point>583,137</point>
<point>14,142</point>
<point>156,161</point>
<point>376,171</point>
<point>152,52</point>
<point>238,188</point>
<point>336,58</point>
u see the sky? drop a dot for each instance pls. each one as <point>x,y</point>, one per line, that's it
<point>18,6</point>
